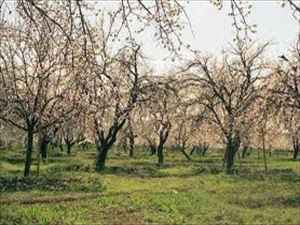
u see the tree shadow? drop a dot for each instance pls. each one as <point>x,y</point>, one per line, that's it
<point>50,184</point>
<point>285,175</point>
<point>256,203</point>
<point>142,172</point>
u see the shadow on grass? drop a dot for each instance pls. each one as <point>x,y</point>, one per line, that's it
<point>283,175</point>
<point>13,159</point>
<point>14,184</point>
<point>142,172</point>
<point>292,201</point>
<point>256,203</point>
<point>151,170</point>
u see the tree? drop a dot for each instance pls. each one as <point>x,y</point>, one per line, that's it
<point>186,118</point>
<point>228,90</point>
<point>112,88</point>
<point>128,138</point>
<point>36,78</point>
<point>157,112</point>
<point>72,132</point>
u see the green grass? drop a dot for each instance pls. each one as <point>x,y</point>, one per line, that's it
<point>137,191</point>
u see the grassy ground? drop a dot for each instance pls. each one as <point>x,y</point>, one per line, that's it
<point>136,191</point>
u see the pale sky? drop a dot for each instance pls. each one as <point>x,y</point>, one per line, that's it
<point>213,31</point>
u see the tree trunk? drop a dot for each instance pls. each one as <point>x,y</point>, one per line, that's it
<point>264,153</point>
<point>28,159</point>
<point>193,150</point>
<point>182,149</point>
<point>69,147</point>
<point>102,151</point>
<point>153,149</point>
<point>296,146</point>
<point>244,152</point>
<point>229,159</point>
<point>204,151</point>
<point>296,152</point>
<point>43,147</point>
<point>131,145</point>
<point>38,163</point>
<point>61,147</point>
<point>131,152</point>
<point>160,154</point>
<point>231,149</point>
<point>186,155</point>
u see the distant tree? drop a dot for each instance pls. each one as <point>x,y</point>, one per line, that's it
<point>157,113</point>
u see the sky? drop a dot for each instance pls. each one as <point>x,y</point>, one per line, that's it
<point>212,30</point>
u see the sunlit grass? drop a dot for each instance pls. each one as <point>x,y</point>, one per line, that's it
<point>137,191</point>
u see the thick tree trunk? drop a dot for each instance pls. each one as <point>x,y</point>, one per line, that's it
<point>163,136</point>
<point>229,159</point>
<point>160,154</point>
<point>231,149</point>
<point>101,157</point>
<point>29,147</point>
